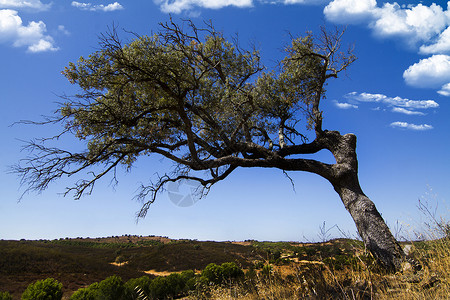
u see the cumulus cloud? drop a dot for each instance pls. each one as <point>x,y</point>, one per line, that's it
<point>429,72</point>
<point>24,4</point>
<point>445,90</point>
<point>177,6</point>
<point>418,23</point>
<point>350,11</point>
<point>33,36</point>
<point>97,7</point>
<point>441,44</point>
<point>409,126</point>
<point>423,26</point>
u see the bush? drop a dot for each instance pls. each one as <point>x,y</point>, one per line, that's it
<point>48,289</point>
<point>5,296</point>
<point>231,271</point>
<point>138,286</point>
<point>112,288</point>
<point>213,273</point>
<point>88,293</point>
<point>160,288</point>
<point>218,274</point>
<point>267,270</point>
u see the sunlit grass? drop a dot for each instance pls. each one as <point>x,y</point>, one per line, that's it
<point>358,277</point>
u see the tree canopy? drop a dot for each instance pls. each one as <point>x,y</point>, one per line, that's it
<point>192,96</point>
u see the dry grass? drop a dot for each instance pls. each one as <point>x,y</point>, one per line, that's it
<point>358,277</point>
<point>363,280</point>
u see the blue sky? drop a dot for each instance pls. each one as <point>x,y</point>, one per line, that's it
<point>395,98</point>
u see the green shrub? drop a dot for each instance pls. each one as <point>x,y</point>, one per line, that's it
<point>88,293</point>
<point>218,274</point>
<point>176,284</point>
<point>201,282</point>
<point>213,273</point>
<point>231,271</point>
<point>5,296</point>
<point>112,288</point>
<point>186,275</point>
<point>160,288</point>
<point>137,286</point>
<point>267,270</point>
<point>48,289</point>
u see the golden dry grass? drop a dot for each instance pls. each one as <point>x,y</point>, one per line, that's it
<point>361,281</point>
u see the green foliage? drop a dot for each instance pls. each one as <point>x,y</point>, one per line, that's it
<point>105,245</point>
<point>88,293</point>
<point>267,270</point>
<point>112,288</point>
<point>191,96</point>
<point>5,296</point>
<point>48,289</point>
<point>339,262</point>
<point>139,285</point>
<point>160,287</point>
<point>213,273</point>
<point>219,274</point>
<point>231,271</point>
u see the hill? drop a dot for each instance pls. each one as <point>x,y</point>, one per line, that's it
<point>81,261</point>
<point>337,268</point>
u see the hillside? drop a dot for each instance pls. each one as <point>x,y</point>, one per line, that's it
<point>79,262</point>
<point>337,268</point>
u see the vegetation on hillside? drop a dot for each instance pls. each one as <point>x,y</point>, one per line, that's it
<point>132,267</point>
<point>339,269</point>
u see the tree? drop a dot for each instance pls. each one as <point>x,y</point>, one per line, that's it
<point>189,95</point>
<point>48,289</point>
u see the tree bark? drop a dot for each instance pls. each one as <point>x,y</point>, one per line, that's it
<point>373,230</point>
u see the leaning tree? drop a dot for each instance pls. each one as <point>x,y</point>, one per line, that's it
<point>208,105</point>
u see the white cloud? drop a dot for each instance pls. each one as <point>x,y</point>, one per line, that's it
<point>407,111</point>
<point>26,4</point>
<point>63,30</point>
<point>441,45</point>
<point>409,126</point>
<point>345,105</point>
<point>350,11</point>
<point>177,6</point>
<point>415,23</point>
<point>312,2</point>
<point>33,36</point>
<point>445,90</point>
<point>397,105</point>
<point>392,101</point>
<point>429,72</point>
<point>424,26</point>
<point>97,7</point>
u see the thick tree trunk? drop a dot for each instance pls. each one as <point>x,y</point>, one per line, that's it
<point>371,227</point>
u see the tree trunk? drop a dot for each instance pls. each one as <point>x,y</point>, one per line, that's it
<point>371,227</point>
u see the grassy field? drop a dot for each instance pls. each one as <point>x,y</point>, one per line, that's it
<point>337,269</point>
